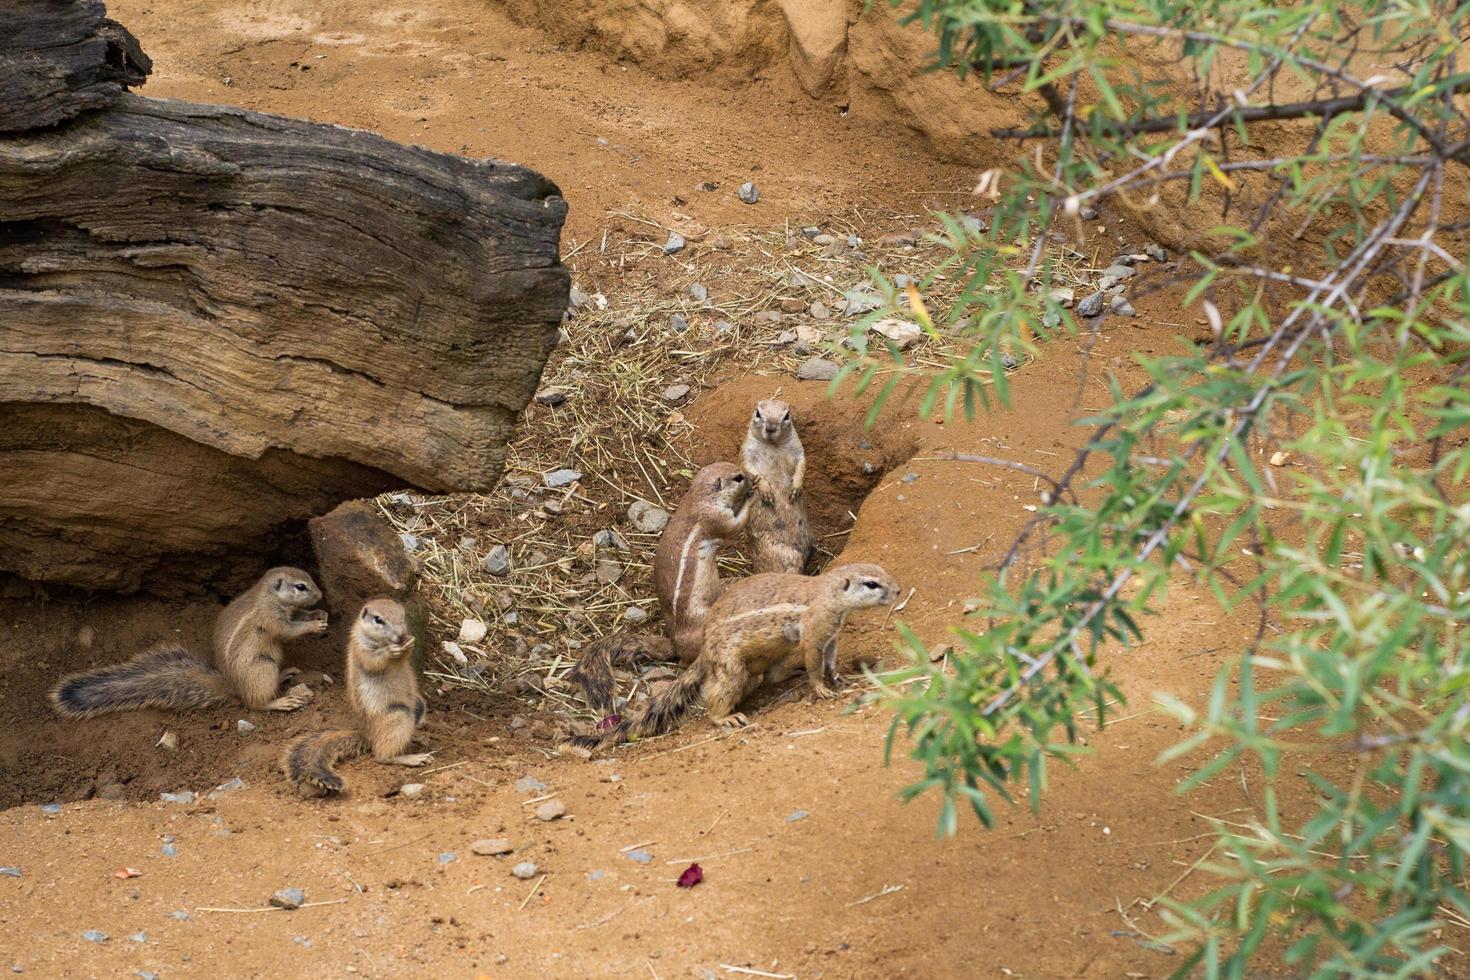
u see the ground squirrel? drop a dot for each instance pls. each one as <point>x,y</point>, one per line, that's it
<point>384,693</point>
<point>779,535</point>
<point>247,652</point>
<point>763,628</point>
<point>686,577</point>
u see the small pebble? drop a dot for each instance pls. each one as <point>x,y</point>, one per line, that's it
<point>635,614</point>
<point>642,857</point>
<point>551,810</point>
<point>472,630</point>
<point>301,941</point>
<point>910,477</point>
<point>723,326</point>
<point>577,298</point>
<point>530,784</point>
<point>182,796</point>
<point>818,311</point>
<point>244,727</point>
<point>1121,306</point>
<point>674,393</point>
<point>647,517</point>
<point>95,936</point>
<point>698,292</point>
<point>551,397</point>
<point>1090,305</point>
<point>180,915</point>
<point>410,544</point>
<point>412,791</point>
<point>749,193</point>
<point>817,369</point>
<point>796,815</point>
<point>1156,252</point>
<point>525,871</point>
<point>608,572</point>
<point>1119,272</point>
<point>491,847</point>
<point>608,538</point>
<point>448,857</point>
<point>497,562</point>
<point>1089,214</point>
<point>288,898</point>
<point>139,937</point>
<point>596,875</point>
<point>10,872</point>
<point>564,477</point>
<point>675,244</point>
<point>168,741</point>
<point>170,851</point>
<point>861,301</point>
<point>679,323</point>
<point>1051,319</point>
<point>51,809</point>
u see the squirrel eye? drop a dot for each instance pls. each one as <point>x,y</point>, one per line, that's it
<point>873,585</point>
<point>738,478</point>
<point>787,416</point>
<point>378,620</point>
<point>300,587</point>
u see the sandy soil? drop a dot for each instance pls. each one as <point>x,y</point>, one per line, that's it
<point>796,821</point>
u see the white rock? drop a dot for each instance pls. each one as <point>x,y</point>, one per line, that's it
<point>472,631</point>
<point>901,332</point>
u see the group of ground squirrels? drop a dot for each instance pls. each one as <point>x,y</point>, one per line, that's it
<point>729,638</point>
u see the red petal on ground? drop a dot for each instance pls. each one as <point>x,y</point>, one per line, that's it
<point>692,876</point>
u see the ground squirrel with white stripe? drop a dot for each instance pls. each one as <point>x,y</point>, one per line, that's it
<point>762,630</point>
<point>778,531</point>
<point>384,692</point>
<point>686,577</point>
<point>248,652</point>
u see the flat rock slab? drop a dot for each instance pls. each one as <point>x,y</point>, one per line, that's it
<point>218,323</point>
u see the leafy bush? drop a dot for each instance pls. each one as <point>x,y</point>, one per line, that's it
<point>1336,296</point>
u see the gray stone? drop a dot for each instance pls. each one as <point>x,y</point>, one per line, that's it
<point>1119,272</point>
<point>818,311</point>
<point>51,809</point>
<point>1156,252</point>
<point>674,393</point>
<point>796,815</point>
<point>179,915</point>
<point>491,847</point>
<point>641,856</point>
<point>169,851</point>
<point>817,369</point>
<point>769,316</point>
<point>861,301</point>
<point>412,791</point>
<point>647,517</point>
<point>1051,319</point>
<point>182,796</point>
<point>811,231</point>
<point>139,937</point>
<point>635,615</point>
<point>551,810</point>
<point>825,239</point>
<point>577,298</point>
<point>563,477</point>
<point>95,936</point>
<point>1090,305</point>
<point>679,323</point>
<point>1121,306</point>
<point>608,538</point>
<point>551,397</point>
<point>288,898</point>
<point>786,337</point>
<point>10,871</point>
<point>228,786</point>
<point>1089,214</point>
<point>698,292</point>
<point>525,871</point>
<point>497,562</point>
<point>902,281</point>
<point>608,572</point>
<point>675,244</point>
<point>244,726</point>
<point>723,326</point>
<point>749,193</point>
<point>529,784</point>
<point>448,857</point>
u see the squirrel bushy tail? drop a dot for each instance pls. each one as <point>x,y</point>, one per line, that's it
<point>594,670</point>
<point>164,677</point>
<point>309,759</point>
<point>661,714</point>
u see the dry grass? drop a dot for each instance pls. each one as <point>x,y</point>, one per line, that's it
<point>627,440</point>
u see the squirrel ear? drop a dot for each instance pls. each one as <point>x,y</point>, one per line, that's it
<point>279,582</point>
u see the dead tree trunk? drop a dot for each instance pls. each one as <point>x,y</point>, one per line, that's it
<point>216,323</point>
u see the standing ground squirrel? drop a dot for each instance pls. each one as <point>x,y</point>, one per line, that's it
<point>248,652</point>
<point>763,628</point>
<point>384,693</point>
<point>686,577</point>
<point>779,535</point>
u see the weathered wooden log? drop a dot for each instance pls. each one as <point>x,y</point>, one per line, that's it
<point>215,323</point>
<point>59,58</point>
